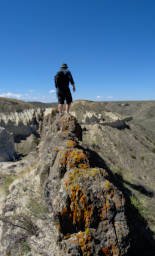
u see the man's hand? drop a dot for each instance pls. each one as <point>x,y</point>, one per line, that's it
<point>74,89</point>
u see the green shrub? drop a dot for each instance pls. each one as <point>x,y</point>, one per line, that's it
<point>133,156</point>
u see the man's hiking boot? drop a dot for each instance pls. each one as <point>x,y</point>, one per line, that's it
<point>67,113</point>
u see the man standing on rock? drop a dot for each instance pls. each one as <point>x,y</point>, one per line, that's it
<point>62,80</point>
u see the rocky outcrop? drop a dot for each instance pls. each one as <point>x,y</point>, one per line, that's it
<point>7,151</point>
<point>63,206</point>
<point>87,208</point>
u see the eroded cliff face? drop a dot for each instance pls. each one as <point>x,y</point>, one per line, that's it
<point>22,124</point>
<point>60,205</point>
<point>24,130</point>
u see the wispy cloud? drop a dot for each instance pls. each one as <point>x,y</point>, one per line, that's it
<point>98,97</point>
<point>52,91</point>
<point>11,95</point>
<point>31,96</point>
<point>109,97</point>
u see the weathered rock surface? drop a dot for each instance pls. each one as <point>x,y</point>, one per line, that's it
<point>7,151</point>
<point>61,205</point>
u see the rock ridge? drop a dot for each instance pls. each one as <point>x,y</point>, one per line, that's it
<point>81,212</point>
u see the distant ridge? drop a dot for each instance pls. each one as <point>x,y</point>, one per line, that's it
<point>8,105</point>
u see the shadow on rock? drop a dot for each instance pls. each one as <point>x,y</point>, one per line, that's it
<point>142,237</point>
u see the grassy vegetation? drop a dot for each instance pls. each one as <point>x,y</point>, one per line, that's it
<point>25,248</point>
<point>153,150</point>
<point>37,207</point>
<point>138,204</point>
<point>148,138</point>
<point>118,171</point>
<point>7,180</point>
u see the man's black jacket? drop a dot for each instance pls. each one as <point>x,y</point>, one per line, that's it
<point>62,79</point>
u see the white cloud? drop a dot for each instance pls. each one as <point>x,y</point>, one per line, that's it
<point>52,91</point>
<point>31,91</point>
<point>98,97</point>
<point>109,97</point>
<point>11,95</point>
<point>30,96</point>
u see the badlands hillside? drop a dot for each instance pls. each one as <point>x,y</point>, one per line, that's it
<point>80,185</point>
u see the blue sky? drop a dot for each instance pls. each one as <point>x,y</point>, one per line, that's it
<point>109,46</point>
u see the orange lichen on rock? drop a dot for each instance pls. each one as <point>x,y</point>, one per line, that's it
<point>83,166</point>
<point>84,242</point>
<point>111,250</point>
<point>73,158</point>
<point>76,157</point>
<point>79,212</point>
<point>67,123</point>
<point>79,207</point>
<point>71,143</point>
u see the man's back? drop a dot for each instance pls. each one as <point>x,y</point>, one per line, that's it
<point>62,79</point>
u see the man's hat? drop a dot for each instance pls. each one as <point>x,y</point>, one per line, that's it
<point>64,65</point>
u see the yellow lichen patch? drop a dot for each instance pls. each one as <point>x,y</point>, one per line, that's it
<point>71,144</point>
<point>73,158</point>
<point>85,173</point>
<point>107,185</point>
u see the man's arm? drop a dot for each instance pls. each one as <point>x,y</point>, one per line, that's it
<point>74,89</point>
<point>71,81</point>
